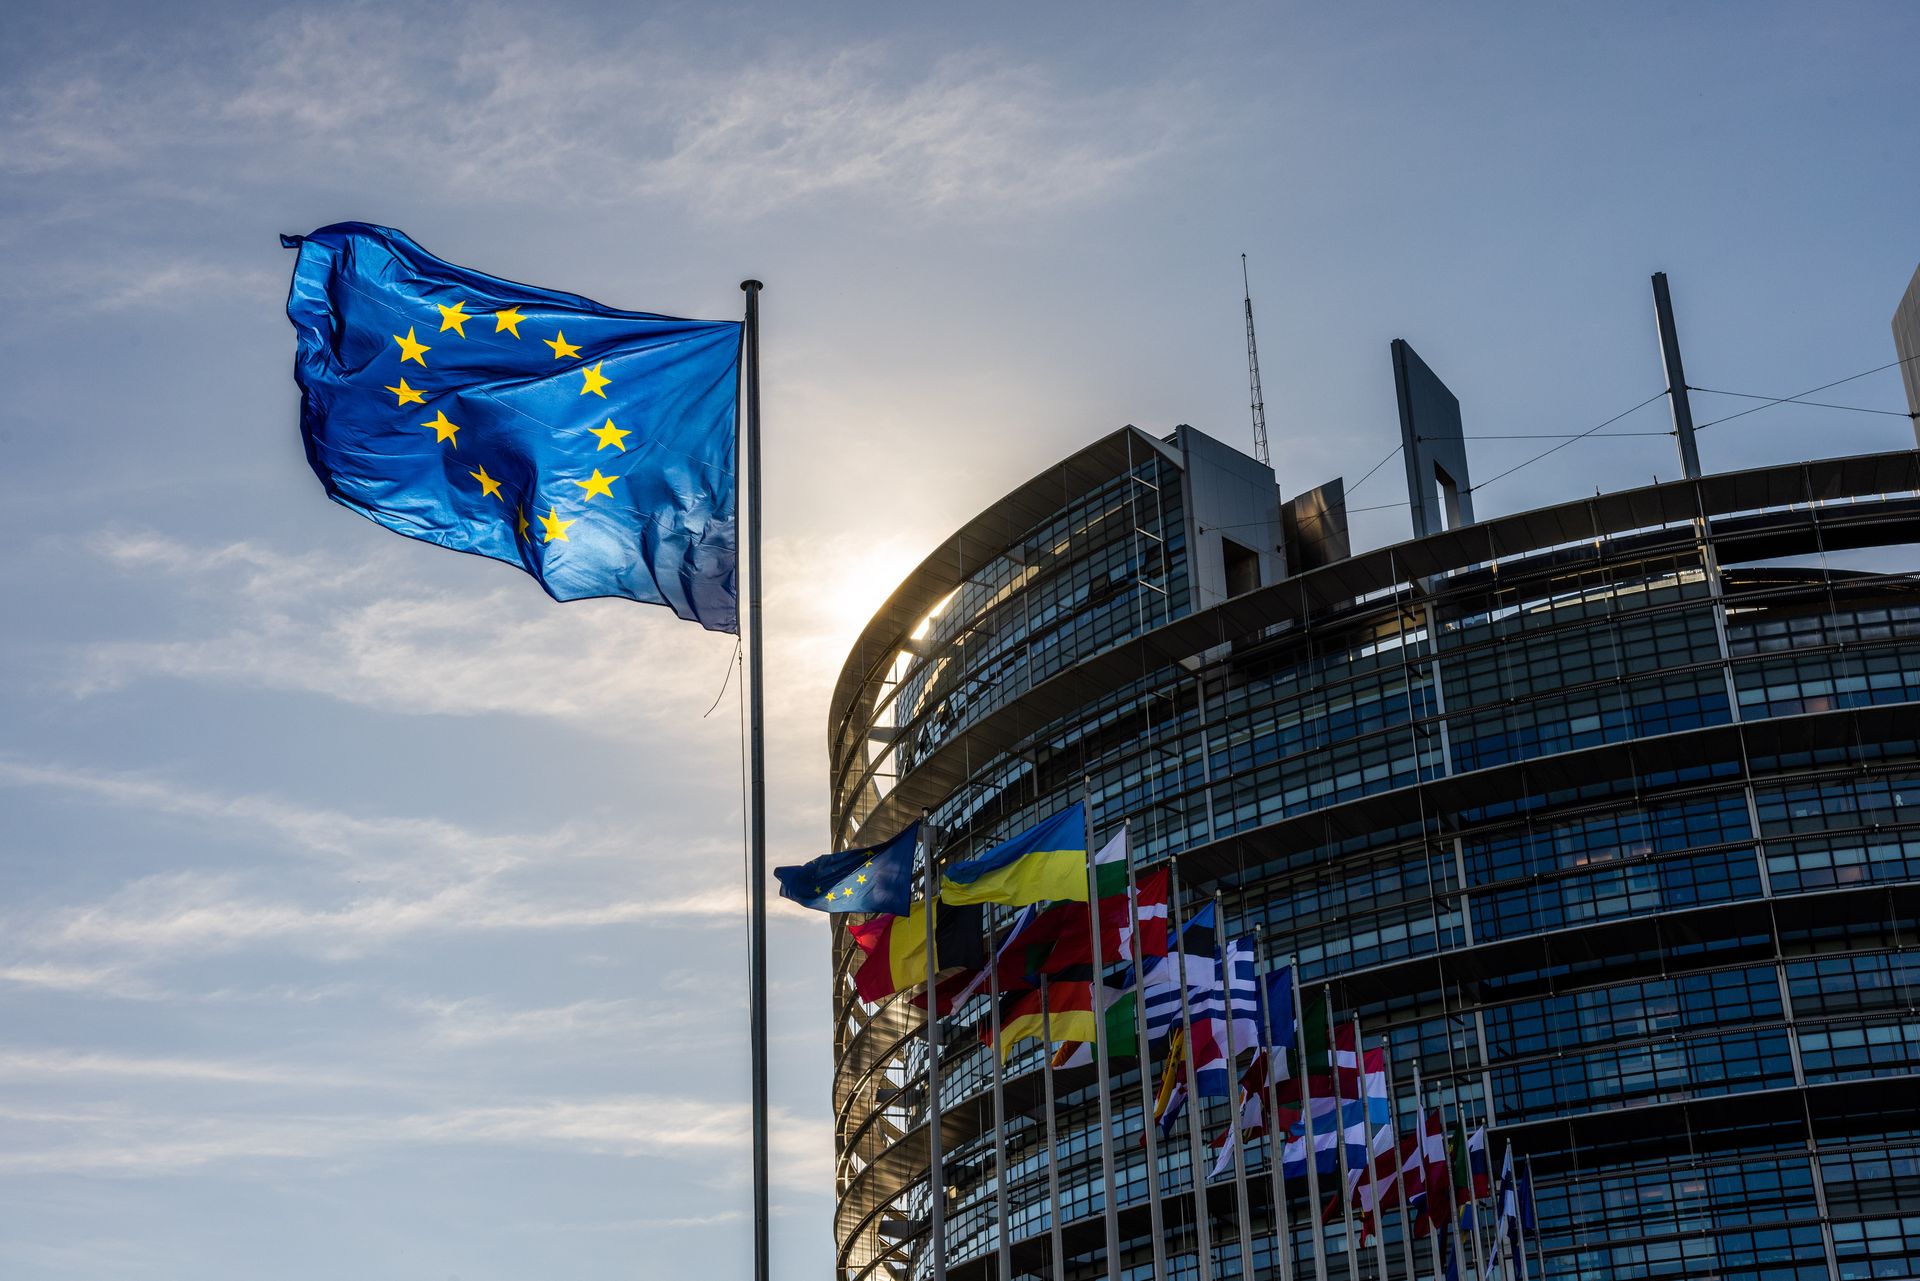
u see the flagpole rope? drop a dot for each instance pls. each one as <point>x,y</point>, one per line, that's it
<point>725,680</point>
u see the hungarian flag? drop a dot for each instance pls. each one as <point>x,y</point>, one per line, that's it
<point>896,948</point>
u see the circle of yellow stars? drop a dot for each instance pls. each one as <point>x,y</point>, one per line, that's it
<point>845,890</point>
<point>445,431</point>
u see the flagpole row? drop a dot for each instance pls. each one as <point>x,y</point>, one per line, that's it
<point>1156,1218</point>
<point>757,792</point>
<point>1202,1222</point>
<point>1102,1074</point>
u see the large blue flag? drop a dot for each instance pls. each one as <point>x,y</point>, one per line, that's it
<point>593,448</point>
<point>875,879</point>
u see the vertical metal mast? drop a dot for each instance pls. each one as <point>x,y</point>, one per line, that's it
<point>757,777</point>
<point>1255,398</point>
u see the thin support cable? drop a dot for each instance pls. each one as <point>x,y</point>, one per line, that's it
<point>1796,400</point>
<point>1563,444</point>
<point>1782,400</point>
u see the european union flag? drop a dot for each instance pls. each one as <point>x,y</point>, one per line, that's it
<point>593,448</point>
<point>879,879</point>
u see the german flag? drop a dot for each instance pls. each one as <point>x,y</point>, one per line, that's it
<point>1069,1012</point>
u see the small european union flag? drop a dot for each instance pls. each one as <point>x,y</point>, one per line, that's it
<point>878,879</point>
<point>593,448</point>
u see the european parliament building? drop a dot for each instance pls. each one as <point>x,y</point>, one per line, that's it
<point>1606,813</point>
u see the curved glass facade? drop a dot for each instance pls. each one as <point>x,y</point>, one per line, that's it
<point>1607,815</point>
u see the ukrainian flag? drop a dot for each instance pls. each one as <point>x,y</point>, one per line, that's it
<point>1042,863</point>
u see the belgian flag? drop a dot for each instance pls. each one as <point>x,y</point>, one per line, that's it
<point>896,948</point>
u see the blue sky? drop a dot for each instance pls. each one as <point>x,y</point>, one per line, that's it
<point>362,913</point>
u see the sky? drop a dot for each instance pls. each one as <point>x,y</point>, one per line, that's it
<point>364,913</point>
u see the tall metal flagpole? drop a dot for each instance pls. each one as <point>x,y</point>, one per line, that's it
<point>1426,1171</point>
<point>1202,1221</point>
<point>1373,1160</point>
<point>1098,997</point>
<point>1306,1114</point>
<point>1399,1160</point>
<point>936,1166</point>
<point>757,793</point>
<point>1533,1200</point>
<point>1473,1199</point>
<point>1053,1140</point>
<point>1002,1246</point>
<point>1156,1222</point>
<point>1276,1139</point>
<point>1340,1132</point>
<point>1240,1202</point>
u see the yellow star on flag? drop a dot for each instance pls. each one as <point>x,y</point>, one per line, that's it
<point>561,347</point>
<point>508,320</point>
<point>489,487</point>
<point>592,381</point>
<point>596,484</point>
<point>443,429</point>
<point>520,520</point>
<point>454,318</point>
<point>411,350</point>
<point>407,395</point>
<point>862,878</point>
<point>555,527</point>
<point>609,435</point>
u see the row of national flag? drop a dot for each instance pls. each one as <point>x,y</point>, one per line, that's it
<point>1199,1003</point>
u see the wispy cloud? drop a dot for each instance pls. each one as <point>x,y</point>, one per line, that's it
<point>314,625</point>
<point>503,109</point>
<point>60,1065</point>
<point>475,1021</point>
<point>708,1139</point>
<point>374,880</point>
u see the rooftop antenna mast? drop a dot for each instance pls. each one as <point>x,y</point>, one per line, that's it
<point>1255,398</point>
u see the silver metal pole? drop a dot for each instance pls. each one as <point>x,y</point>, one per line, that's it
<point>1306,1114</point>
<point>1202,1221</point>
<point>1002,1243</point>
<point>1155,1215</point>
<point>1426,1177</point>
<point>1373,1162</point>
<point>1240,1203</point>
<point>936,1166</point>
<point>1276,1138</point>
<point>1102,1075</point>
<point>757,791</point>
<point>1399,1160</point>
<point>1528,1162</point>
<point>1053,1139</point>
<point>1340,1137</point>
